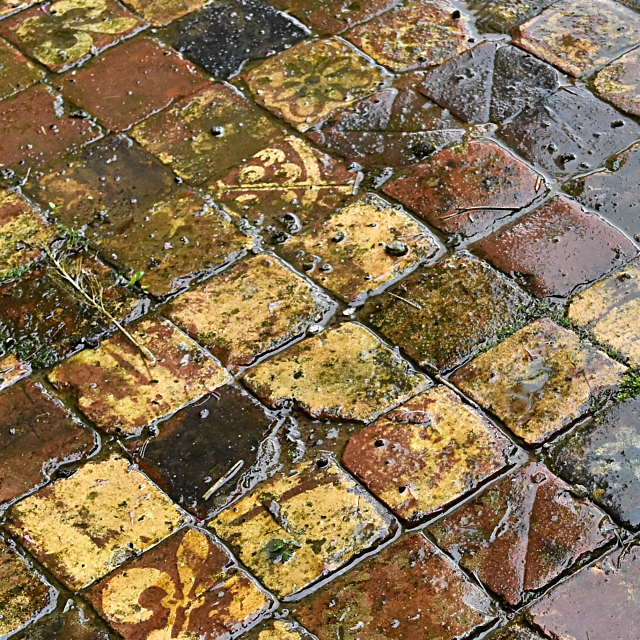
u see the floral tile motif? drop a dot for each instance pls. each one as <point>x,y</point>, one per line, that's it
<point>16,72</point>
<point>37,435</point>
<point>255,307</point>
<point>84,526</point>
<point>187,587</point>
<point>121,390</point>
<point>291,531</point>
<point>523,532</point>
<point>360,248</point>
<point>618,83</point>
<point>129,83</point>
<point>409,590</point>
<point>443,314</point>
<point>580,38</point>
<point>202,137</point>
<point>344,373</point>
<point>414,34</point>
<point>502,15</point>
<point>424,455</point>
<point>162,12</point>
<point>283,187</point>
<point>539,380</point>
<point>312,81</point>
<point>468,189</point>
<point>64,33</point>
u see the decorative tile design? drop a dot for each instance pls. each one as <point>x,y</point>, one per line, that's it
<point>16,72</point>
<point>502,15</point>
<point>618,82</point>
<point>161,12</point>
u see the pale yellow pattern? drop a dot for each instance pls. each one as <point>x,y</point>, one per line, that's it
<point>280,631</point>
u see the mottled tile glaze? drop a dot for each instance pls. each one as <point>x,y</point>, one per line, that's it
<point>12,6</point>
<point>12,371</point>
<point>16,72</point>
<point>618,83</point>
<point>502,15</point>
<point>279,630</point>
<point>161,12</point>
<point>515,632</point>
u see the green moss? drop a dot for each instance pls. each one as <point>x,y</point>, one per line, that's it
<point>630,386</point>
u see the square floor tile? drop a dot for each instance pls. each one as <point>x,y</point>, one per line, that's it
<point>580,38</point>
<point>569,132</point>
<point>424,455</point>
<point>122,391</point>
<point>64,33</point>
<point>468,189</point>
<point>131,82</point>
<point>556,248</point>
<point>291,531</point>
<point>502,15</point>
<point>539,380</point>
<point>414,34</point>
<point>37,434</point>
<point>255,307</point>
<point>84,526</point>
<point>344,373</point>
<point>523,532</point>
<point>187,587</point>
<point>358,249</point>
<point>619,83</point>
<point>226,35</point>
<point>312,81</point>
<point>610,309</point>
<point>162,12</point>
<point>603,457</point>
<point>410,590</point>
<point>443,314</point>
<point>16,72</point>
<point>202,137</point>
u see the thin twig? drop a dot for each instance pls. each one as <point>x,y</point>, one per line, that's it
<point>413,304</point>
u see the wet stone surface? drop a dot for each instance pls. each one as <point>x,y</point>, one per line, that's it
<point>12,371</point>
<point>602,456</point>
<point>16,72</point>
<point>292,530</point>
<point>223,37</point>
<point>618,83</point>
<point>253,308</point>
<point>424,455</point>
<point>515,632</point>
<point>523,532</point>
<point>410,590</point>
<point>502,15</point>
<point>84,526</point>
<point>161,12</point>
<point>556,248</point>
<point>443,314</point>
<point>468,189</point>
<point>539,380</point>
<point>279,630</point>
<point>121,390</point>
<point>12,6</point>
<point>188,586</point>
<point>343,373</point>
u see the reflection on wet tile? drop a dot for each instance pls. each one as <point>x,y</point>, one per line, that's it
<point>16,72</point>
<point>292,530</point>
<point>523,532</point>
<point>501,15</point>
<point>63,33</point>
<point>84,526</point>
<point>570,612</point>
<point>410,590</point>
<point>310,82</point>
<point>360,248</point>
<point>393,127</point>
<point>426,454</point>
<point>217,438</point>
<point>619,84</point>
<point>539,380</point>
<point>514,632</point>
<point>468,189</point>
<point>603,456</point>
<point>132,81</point>
<point>204,136</point>
<point>253,308</point>
<point>556,248</point>
<point>443,314</point>
<point>569,132</point>
<point>579,38</point>
<point>187,587</point>
<point>223,37</point>
<point>36,436</point>
<point>121,390</point>
<point>23,594</point>
<point>161,12</point>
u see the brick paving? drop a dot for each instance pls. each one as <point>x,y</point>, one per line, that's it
<point>319,320</point>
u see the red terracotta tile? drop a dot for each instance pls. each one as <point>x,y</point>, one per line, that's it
<point>16,72</point>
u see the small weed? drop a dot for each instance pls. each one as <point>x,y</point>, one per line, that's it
<point>282,551</point>
<point>630,386</point>
<point>15,273</point>
<point>135,278</point>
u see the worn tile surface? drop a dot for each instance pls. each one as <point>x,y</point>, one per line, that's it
<point>253,308</point>
<point>410,590</point>
<point>12,6</point>
<point>445,313</point>
<point>187,587</point>
<point>16,72</point>
<point>292,530</point>
<point>12,370</point>
<point>523,532</point>
<point>84,526</point>
<point>515,632</point>
<point>556,248</point>
<point>161,12</point>
<point>502,15</point>
<point>618,82</point>
<point>539,380</point>
<point>468,189</point>
<point>121,390</point>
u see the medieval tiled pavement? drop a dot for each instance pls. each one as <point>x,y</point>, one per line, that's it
<point>320,319</point>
